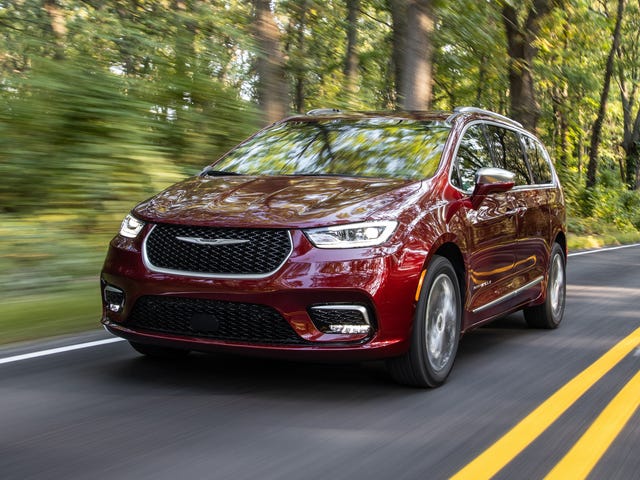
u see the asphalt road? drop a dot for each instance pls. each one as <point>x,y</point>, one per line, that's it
<point>105,412</point>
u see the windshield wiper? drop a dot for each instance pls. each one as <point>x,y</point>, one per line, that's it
<point>211,172</point>
<point>303,174</point>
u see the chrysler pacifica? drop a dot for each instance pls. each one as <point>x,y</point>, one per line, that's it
<point>338,236</point>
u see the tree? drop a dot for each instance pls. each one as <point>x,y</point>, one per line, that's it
<point>628,76</point>
<point>568,79</point>
<point>273,95</point>
<point>522,51</point>
<point>351,57</point>
<point>398,10</point>
<point>297,64</point>
<point>58,26</point>
<point>413,27</point>
<point>469,66</point>
<point>596,129</point>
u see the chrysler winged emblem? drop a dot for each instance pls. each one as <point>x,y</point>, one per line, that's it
<point>211,241</point>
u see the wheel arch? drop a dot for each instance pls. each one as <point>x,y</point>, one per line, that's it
<point>452,252</point>
<point>561,240</point>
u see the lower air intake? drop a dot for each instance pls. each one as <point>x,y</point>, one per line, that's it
<point>213,319</point>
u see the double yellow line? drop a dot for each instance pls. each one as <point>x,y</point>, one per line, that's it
<point>584,455</point>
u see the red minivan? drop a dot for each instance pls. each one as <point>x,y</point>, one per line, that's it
<point>346,236</point>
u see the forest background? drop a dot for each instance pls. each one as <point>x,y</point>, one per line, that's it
<point>104,102</point>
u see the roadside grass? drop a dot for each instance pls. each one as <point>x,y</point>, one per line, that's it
<point>39,315</point>
<point>586,233</point>
<point>585,242</point>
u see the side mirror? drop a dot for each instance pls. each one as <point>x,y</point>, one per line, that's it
<point>491,180</point>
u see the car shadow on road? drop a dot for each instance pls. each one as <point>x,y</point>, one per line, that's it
<point>490,339</point>
<point>234,374</point>
<point>228,373</point>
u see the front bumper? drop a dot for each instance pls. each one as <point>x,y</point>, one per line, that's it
<point>381,282</point>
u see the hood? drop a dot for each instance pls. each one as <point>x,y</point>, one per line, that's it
<point>276,202</point>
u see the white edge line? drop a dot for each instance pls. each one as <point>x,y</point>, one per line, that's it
<point>53,351</point>
<point>603,250</point>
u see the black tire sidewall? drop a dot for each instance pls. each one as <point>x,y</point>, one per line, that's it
<point>556,319</point>
<point>432,377</point>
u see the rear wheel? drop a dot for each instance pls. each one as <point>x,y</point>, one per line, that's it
<point>436,330</point>
<point>156,351</point>
<point>549,314</point>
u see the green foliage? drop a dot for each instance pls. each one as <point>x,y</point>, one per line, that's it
<point>469,69</point>
<point>74,139</point>
<point>93,123</point>
<point>608,203</point>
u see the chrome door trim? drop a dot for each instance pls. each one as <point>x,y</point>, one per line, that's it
<point>509,295</point>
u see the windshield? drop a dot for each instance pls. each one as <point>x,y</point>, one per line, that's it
<point>379,148</point>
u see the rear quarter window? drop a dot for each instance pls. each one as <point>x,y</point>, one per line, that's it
<point>538,162</point>
<point>508,153</point>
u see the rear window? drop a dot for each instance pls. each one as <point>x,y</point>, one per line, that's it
<point>379,148</point>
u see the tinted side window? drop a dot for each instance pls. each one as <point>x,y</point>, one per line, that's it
<point>473,154</point>
<point>508,153</point>
<point>537,161</point>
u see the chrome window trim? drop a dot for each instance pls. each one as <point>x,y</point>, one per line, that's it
<point>535,186</point>
<point>509,295</point>
<point>230,276</point>
<point>462,110</point>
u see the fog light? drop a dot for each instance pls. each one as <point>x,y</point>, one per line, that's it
<point>349,329</point>
<point>341,319</point>
<point>113,298</point>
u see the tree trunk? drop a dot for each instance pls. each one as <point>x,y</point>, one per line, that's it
<point>628,60</point>
<point>596,130</point>
<point>272,83</point>
<point>184,41</point>
<point>520,47</point>
<point>399,32</point>
<point>631,146</point>
<point>580,149</point>
<point>299,69</point>
<point>559,96</point>
<point>351,57</point>
<point>58,27</point>
<point>418,55</point>
<point>482,73</point>
<point>633,166</point>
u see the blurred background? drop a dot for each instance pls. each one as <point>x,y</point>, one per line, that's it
<point>105,102</point>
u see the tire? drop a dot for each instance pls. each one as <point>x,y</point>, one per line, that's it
<point>549,314</point>
<point>436,330</point>
<point>154,351</point>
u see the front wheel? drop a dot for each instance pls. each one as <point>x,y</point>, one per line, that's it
<point>436,329</point>
<point>549,314</point>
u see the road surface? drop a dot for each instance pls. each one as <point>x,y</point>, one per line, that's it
<point>519,404</point>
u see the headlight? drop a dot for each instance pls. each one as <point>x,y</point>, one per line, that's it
<point>353,235</point>
<point>131,226</point>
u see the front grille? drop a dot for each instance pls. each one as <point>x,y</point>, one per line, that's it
<point>239,251</point>
<point>219,320</point>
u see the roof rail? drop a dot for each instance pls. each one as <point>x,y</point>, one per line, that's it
<point>459,110</point>
<point>324,111</point>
